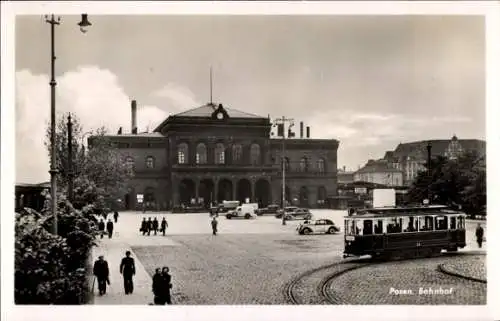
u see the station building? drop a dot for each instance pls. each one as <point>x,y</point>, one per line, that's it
<point>211,153</point>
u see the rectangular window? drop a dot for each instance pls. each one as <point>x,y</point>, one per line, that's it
<point>379,227</point>
<point>367,227</point>
<point>197,158</point>
<point>181,158</point>
<point>453,223</point>
<point>441,223</point>
<point>395,225</point>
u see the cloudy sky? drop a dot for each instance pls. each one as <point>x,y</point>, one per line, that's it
<point>368,81</point>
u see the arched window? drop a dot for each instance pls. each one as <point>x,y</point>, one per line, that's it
<point>150,162</point>
<point>201,154</point>
<point>303,164</point>
<point>321,165</point>
<point>255,154</point>
<point>182,153</point>
<point>219,154</point>
<point>129,162</point>
<point>237,153</point>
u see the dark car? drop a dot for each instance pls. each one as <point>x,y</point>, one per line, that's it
<point>271,209</point>
<point>288,209</point>
<point>298,214</point>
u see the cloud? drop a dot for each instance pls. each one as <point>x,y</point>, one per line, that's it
<point>178,98</point>
<point>94,95</point>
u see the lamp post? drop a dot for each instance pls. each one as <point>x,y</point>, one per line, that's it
<point>53,21</point>
<point>280,122</point>
<point>70,159</point>
<point>429,170</point>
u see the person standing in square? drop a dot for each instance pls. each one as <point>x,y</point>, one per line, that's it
<point>127,269</point>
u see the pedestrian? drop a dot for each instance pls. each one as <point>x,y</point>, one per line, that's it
<point>155,225</point>
<point>110,226</point>
<point>164,226</point>
<point>101,272</point>
<point>158,291</point>
<point>115,216</point>
<point>167,285</point>
<point>479,235</point>
<point>127,269</point>
<point>150,226</point>
<point>101,227</point>
<point>214,226</point>
<point>144,226</point>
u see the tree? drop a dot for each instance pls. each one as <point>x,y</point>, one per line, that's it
<point>101,171</point>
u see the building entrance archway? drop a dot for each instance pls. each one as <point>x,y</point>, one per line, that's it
<point>304,197</point>
<point>186,191</point>
<point>225,192</point>
<point>206,191</point>
<point>244,190</point>
<point>263,192</point>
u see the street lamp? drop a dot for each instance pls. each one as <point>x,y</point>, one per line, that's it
<point>280,122</point>
<point>53,21</point>
<point>429,170</point>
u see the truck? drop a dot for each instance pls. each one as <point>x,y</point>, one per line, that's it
<point>225,207</point>
<point>246,211</point>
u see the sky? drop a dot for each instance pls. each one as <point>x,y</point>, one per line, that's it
<point>370,82</point>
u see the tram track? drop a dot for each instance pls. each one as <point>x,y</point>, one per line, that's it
<point>324,276</point>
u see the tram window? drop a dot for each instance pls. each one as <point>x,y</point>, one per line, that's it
<point>461,222</point>
<point>379,227</point>
<point>441,223</point>
<point>367,227</point>
<point>409,224</point>
<point>426,223</point>
<point>395,225</point>
<point>453,223</point>
<point>359,227</point>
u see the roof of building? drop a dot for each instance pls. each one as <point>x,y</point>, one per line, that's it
<point>41,185</point>
<point>380,166</point>
<point>153,134</point>
<point>208,109</point>
<point>439,147</point>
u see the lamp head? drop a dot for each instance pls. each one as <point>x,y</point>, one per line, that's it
<point>84,24</point>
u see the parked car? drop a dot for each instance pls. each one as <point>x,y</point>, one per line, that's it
<point>320,226</point>
<point>246,211</point>
<point>288,209</point>
<point>270,209</point>
<point>225,207</point>
<point>298,214</point>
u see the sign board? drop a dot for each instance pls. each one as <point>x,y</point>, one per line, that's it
<point>140,198</point>
<point>384,198</point>
<point>360,190</point>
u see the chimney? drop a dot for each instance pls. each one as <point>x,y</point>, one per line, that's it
<point>134,117</point>
<point>308,132</point>
<point>301,129</point>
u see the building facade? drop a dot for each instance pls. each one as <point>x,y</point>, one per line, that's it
<point>211,153</point>
<point>379,172</point>
<point>411,157</point>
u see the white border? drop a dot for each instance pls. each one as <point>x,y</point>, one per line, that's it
<point>488,8</point>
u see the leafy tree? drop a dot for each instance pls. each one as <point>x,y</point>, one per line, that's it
<point>457,182</point>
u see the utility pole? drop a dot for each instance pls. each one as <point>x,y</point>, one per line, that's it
<point>70,159</point>
<point>281,122</point>
<point>429,171</point>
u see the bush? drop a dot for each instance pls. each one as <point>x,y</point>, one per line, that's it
<point>52,269</point>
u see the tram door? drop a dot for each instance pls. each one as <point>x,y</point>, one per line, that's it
<point>378,231</point>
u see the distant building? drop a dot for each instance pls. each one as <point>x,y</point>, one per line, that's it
<point>31,196</point>
<point>379,172</point>
<point>411,157</point>
<point>344,176</point>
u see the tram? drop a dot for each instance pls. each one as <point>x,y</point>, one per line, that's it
<point>408,232</point>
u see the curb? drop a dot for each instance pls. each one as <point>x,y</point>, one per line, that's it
<point>443,269</point>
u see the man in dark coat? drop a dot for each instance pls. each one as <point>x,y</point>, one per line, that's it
<point>109,227</point>
<point>101,227</point>
<point>144,226</point>
<point>127,269</point>
<point>479,235</point>
<point>158,290</point>
<point>214,226</point>
<point>115,216</point>
<point>167,285</point>
<point>101,272</point>
<point>150,226</point>
<point>155,225</point>
<point>164,226</point>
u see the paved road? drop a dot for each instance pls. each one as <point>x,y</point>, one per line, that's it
<point>247,263</point>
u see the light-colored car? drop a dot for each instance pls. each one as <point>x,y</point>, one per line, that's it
<point>299,214</point>
<point>320,226</point>
<point>245,211</point>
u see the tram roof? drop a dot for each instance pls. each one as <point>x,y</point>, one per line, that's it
<point>403,211</point>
